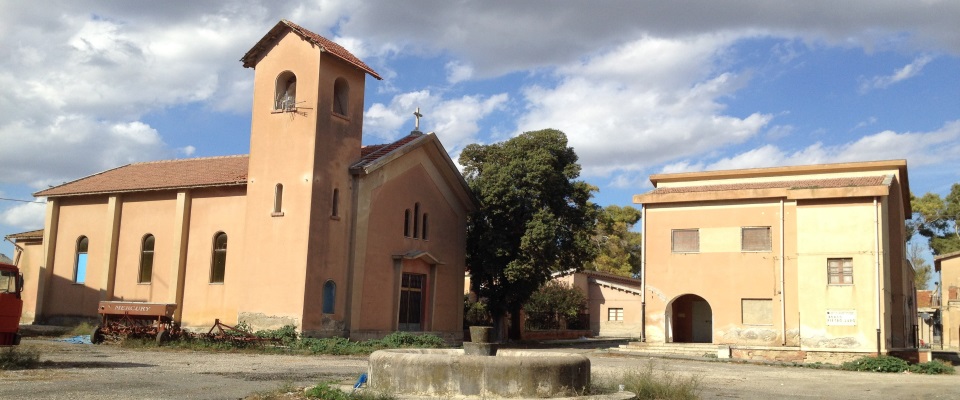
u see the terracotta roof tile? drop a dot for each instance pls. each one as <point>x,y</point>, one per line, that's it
<point>924,298</point>
<point>370,154</point>
<point>37,234</point>
<point>158,175</point>
<point>798,184</point>
<point>250,59</point>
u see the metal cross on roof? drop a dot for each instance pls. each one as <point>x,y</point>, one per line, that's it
<point>417,114</point>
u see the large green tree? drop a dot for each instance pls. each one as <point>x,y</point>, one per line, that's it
<point>922,271</point>
<point>535,218</point>
<point>619,247</point>
<point>936,218</point>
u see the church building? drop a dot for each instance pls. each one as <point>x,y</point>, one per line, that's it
<point>311,228</point>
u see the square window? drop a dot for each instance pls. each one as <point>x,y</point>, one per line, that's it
<point>686,240</point>
<point>755,239</point>
<point>840,271</point>
<point>615,314</point>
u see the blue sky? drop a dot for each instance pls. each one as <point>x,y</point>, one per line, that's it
<point>639,87</point>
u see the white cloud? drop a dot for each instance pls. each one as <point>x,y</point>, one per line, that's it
<point>920,149</point>
<point>457,72</point>
<point>24,215</point>
<point>644,103</point>
<point>456,120</point>
<point>906,72</point>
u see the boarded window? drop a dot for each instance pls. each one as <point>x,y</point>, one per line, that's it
<point>218,266</point>
<point>755,239</point>
<point>757,311</point>
<point>146,260</point>
<point>840,271</point>
<point>686,240</point>
<point>615,314</point>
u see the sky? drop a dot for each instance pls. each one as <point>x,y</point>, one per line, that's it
<point>639,87</point>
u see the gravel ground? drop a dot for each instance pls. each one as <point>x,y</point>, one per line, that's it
<point>81,371</point>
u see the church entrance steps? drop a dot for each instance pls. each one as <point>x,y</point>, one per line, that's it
<point>676,349</point>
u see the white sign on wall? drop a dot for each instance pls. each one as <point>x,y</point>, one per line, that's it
<point>841,317</point>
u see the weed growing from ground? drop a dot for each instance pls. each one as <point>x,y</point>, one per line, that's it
<point>894,364</point>
<point>19,358</point>
<point>288,340</point>
<point>932,367</point>
<point>649,382</point>
<point>83,328</point>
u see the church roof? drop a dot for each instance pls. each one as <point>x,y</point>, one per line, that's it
<point>158,175</point>
<point>326,45</point>
<point>204,172</point>
<point>371,153</point>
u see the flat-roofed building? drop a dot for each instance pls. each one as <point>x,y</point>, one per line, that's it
<point>800,262</point>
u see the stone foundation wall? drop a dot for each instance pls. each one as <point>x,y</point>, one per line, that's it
<point>794,354</point>
<point>261,321</point>
<point>755,354</point>
<point>833,357</point>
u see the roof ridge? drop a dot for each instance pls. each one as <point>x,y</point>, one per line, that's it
<point>188,159</point>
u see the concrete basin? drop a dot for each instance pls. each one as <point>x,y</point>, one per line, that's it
<point>448,372</point>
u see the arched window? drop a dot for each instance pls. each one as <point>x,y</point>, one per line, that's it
<point>416,220</point>
<point>335,211</point>
<point>423,229</point>
<point>218,266</point>
<point>329,297</point>
<point>278,199</point>
<point>80,263</point>
<point>406,223</point>
<point>285,98</point>
<point>146,259</point>
<point>341,96</point>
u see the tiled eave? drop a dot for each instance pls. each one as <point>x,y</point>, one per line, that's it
<point>142,190</point>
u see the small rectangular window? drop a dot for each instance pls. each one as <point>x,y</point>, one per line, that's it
<point>615,314</point>
<point>686,240</point>
<point>755,239</point>
<point>840,271</point>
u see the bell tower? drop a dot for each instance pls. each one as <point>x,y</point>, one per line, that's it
<point>306,124</point>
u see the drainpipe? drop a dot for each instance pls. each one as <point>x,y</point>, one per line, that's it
<point>876,251</point>
<point>643,275</point>
<point>783,306</point>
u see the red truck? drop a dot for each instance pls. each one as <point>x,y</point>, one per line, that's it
<point>11,285</point>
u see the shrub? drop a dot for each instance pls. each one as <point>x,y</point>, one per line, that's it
<point>19,358</point>
<point>932,367</point>
<point>325,392</point>
<point>650,383</point>
<point>405,339</point>
<point>876,364</point>
<point>286,334</point>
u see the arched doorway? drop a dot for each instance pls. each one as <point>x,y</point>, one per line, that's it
<point>691,319</point>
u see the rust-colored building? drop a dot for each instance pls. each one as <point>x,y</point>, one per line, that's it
<point>802,262</point>
<point>311,228</point>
